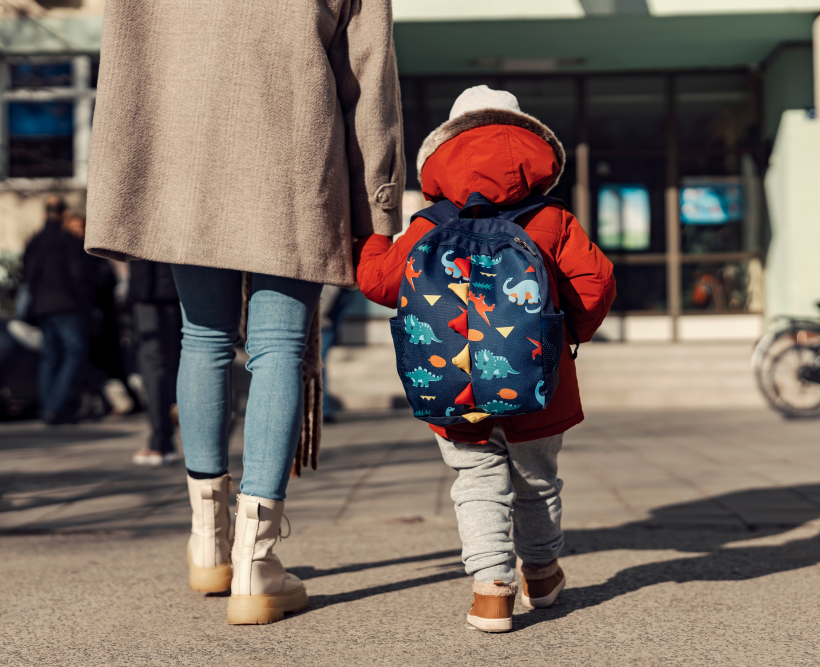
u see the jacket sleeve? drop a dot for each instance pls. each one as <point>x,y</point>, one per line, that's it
<point>380,264</point>
<point>585,279</point>
<point>363,60</point>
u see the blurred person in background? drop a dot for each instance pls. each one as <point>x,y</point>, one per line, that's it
<point>56,272</point>
<point>333,308</point>
<point>158,321</point>
<point>105,381</point>
<point>273,178</point>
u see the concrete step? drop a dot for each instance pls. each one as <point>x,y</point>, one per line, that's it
<point>611,375</point>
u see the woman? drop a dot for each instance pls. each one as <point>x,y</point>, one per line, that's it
<point>256,137</point>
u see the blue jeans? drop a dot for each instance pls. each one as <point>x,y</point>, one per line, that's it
<point>279,318</point>
<point>63,356</point>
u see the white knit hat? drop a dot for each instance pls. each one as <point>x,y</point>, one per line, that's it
<point>482,97</point>
<point>480,106</point>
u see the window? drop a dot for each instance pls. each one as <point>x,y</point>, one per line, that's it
<point>637,184</point>
<point>40,74</point>
<point>626,113</point>
<point>638,146</point>
<point>724,287</point>
<point>623,217</point>
<point>640,288</point>
<point>48,103</point>
<point>41,139</point>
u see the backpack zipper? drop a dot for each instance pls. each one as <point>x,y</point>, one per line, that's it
<point>485,237</point>
<point>524,245</point>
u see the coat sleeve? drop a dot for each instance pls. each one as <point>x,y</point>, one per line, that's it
<point>380,264</point>
<point>585,279</point>
<point>363,60</point>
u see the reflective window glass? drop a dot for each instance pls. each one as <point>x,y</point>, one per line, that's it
<point>626,113</point>
<point>40,74</point>
<point>41,142</point>
<point>627,198</point>
<point>640,288</point>
<point>723,287</point>
<point>716,111</point>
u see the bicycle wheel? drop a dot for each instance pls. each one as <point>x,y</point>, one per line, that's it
<point>793,381</point>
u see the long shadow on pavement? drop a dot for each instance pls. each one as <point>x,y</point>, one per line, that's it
<point>311,572</point>
<point>735,564</point>
<point>674,527</point>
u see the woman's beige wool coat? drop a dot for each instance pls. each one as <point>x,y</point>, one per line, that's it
<point>256,135</point>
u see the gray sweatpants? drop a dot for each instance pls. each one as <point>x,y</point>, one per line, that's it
<point>494,481</point>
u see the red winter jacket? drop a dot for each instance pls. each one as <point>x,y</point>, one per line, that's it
<point>505,163</point>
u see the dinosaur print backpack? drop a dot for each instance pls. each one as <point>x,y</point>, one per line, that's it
<point>477,334</point>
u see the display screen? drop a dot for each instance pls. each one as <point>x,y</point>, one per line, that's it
<point>623,217</point>
<point>711,203</point>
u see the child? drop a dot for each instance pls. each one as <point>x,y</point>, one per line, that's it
<point>506,463</point>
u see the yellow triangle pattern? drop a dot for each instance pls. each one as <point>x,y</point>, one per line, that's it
<point>432,298</point>
<point>475,417</point>
<point>462,359</point>
<point>461,289</point>
<point>429,398</point>
<point>505,331</point>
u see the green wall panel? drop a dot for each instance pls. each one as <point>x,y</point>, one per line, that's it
<point>605,43</point>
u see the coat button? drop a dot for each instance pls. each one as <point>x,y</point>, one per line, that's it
<point>382,197</point>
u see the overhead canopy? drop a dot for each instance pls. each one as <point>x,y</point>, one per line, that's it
<point>615,42</point>
<point>47,35</point>
<point>473,10</point>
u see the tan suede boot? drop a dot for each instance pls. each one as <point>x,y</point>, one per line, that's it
<point>541,585</point>
<point>261,590</point>
<point>209,546</point>
<point>492,606</point>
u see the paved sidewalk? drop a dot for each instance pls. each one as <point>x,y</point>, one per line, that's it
<point>693,538</point>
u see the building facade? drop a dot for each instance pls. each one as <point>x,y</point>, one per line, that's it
<point>669,111</point>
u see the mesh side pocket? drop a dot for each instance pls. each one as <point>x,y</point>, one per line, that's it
<point>552,341</point>
<point>397,331</point>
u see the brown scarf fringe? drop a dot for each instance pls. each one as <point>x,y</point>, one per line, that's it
<point>307,451</point>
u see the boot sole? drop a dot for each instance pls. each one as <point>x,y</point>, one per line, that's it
<point>263,609</point>
<point>490,624</point>
<point>209,579</point>
<point>547,600</point>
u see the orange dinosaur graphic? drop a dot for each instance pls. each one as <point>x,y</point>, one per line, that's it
<point>409,273</point>
<point>481,307</point>
<point>537,349</point>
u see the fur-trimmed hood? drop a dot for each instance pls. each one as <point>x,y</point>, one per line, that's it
<point>485,117</point>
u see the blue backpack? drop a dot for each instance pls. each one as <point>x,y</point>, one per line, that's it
<point>477,333</point>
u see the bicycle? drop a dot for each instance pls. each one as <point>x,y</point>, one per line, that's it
<point>786,363</point>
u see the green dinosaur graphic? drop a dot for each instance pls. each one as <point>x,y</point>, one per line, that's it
<point>449,412</point>
<point>485,261</point>
<point>478,285</point>
<point>420,332</point>
<point>422,377</point>
<point>497,407</point>
<point>424,248</point>
<point>422,413</point>
<point>493,366</point>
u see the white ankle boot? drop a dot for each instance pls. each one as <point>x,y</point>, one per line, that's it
<point>209,546</point>
<point>261,590</point>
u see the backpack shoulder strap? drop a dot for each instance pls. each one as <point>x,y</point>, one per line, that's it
<point>530,204</point>
<point>438,213</point>
<point>446,211</point>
